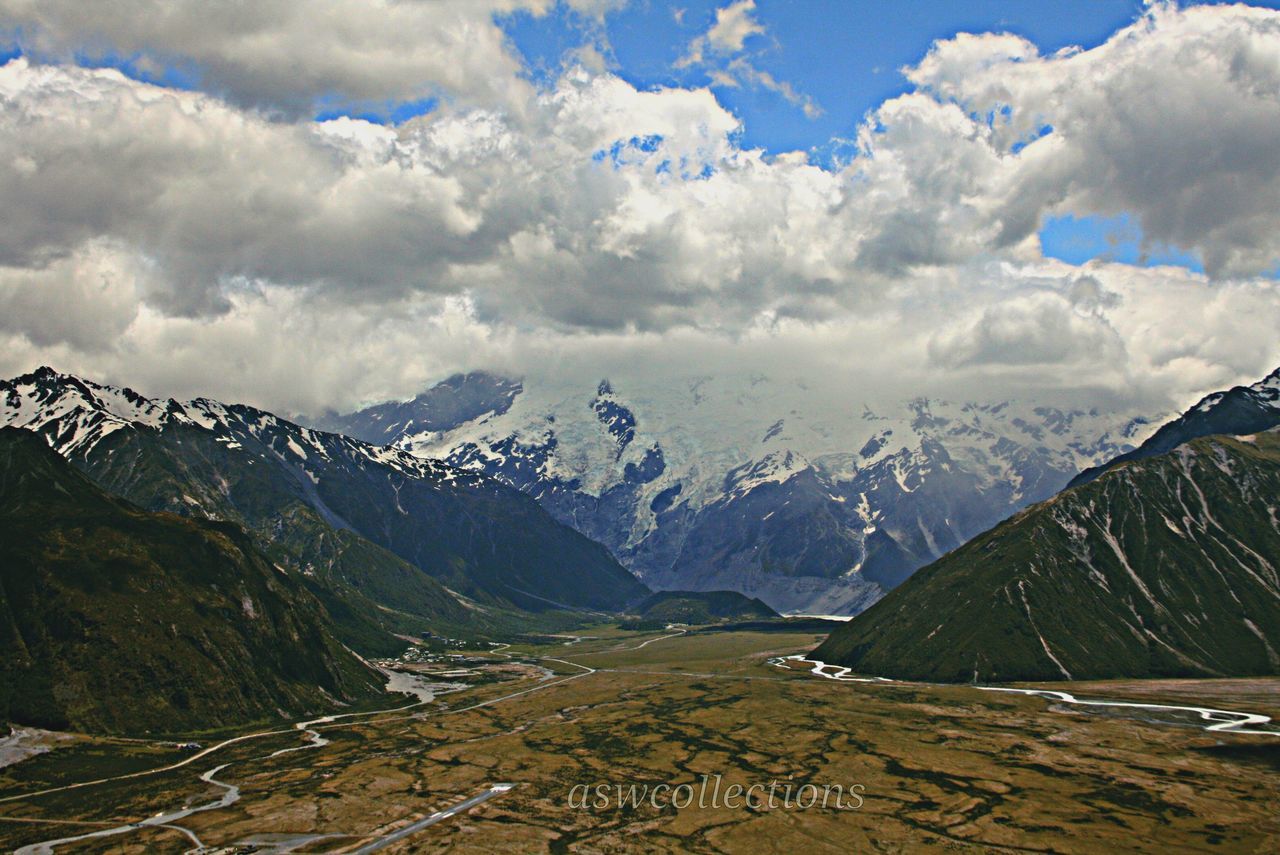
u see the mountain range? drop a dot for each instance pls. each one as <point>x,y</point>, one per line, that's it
<point>117,619</point>
<point>486,504</point>
<point>770,487</point>
<point>1237,411</point>
<point>392,544</point>
<point>1163,563</point>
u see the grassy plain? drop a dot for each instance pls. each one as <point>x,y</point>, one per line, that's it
<point>942,767</point>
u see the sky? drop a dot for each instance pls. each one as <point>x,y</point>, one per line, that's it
<point>317,204</point>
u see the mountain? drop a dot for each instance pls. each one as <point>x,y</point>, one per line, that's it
<point>1161,566</point>
<point>1238,411</point>
<point>774,487</point>
<point>693,607</point>
<point>460,399</point>
<point>391,542</point>
<point>120,620</point>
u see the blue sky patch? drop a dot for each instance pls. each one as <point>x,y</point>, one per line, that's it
<point>1077,240</point>
<point>385,114</point>
<point>845,55</point>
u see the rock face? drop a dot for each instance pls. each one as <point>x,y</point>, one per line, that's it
<point>460,399</point>
<point>386,536</point>
<point>1162,566</point>
<point>763,486</point>
<point>1237,411</point>
<point>116,619</point>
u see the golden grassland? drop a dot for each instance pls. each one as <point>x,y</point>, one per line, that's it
<point>943,767</point>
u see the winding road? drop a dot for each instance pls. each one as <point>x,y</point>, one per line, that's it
<point>438,816</point>
<point>311,731</point>
<point>231,792</point>
<point>230,796</point>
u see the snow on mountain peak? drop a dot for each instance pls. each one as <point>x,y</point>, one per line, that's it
<point>699,480</point>
<point>75,415</point>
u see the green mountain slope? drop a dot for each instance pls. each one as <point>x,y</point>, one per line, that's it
<point>702,607</point>
<point>391,544</point>
<point>481,539</point>
<point>120,620</point>
<point>1164,566</point>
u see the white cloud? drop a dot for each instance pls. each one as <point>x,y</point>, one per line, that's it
<point>719,48</point>
<point>86,300</point>
<point>212,195</point>
<point>1174,119</point>
<point>984,332</point>
<point>733,25</point>
<point>285,54</point>
<point>596,8</point>
<point>742,70</point>
<point>188,244</point>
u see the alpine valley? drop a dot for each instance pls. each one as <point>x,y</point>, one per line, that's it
<point>629,427</point>
<point>179,574</point>
<point>392,544</point>
<point>1161,564</point>
<point>767,487</point>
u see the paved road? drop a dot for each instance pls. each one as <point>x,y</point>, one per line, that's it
<point>230,795</point>
<point>438,816</point>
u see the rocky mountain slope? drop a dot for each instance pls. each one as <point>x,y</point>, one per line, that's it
<point>1161,566</point>
<point>390,541</point>
<point>1239,410</point>
<point>116,619</point>
<point>813,502</point>
<point>460,399</point>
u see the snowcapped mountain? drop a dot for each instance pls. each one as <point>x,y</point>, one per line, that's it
<point>456,401</point>
<point>1158,568</point>
<point>392,532</point>
<point>767,487</point>
<point>76,415</point>
<point>1156,563</point>
<point>1237,411</point>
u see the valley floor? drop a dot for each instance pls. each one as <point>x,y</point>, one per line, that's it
<point>937,766</point>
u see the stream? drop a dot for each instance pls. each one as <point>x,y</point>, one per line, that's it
<point>1218,721</point>
<point>397,681</point>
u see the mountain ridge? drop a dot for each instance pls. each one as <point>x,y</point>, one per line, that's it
<point>1238,410</point>
<point>1157,568</point>
<point>702,483</point>
<point>327,504</point>
<point>118,619</point>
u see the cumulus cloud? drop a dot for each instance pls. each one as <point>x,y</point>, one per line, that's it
<point>572,219</point>
<point>298,351</point>
<point>734,24</point>
<point>1033,329</point>
<point>187,243</point>
<point>1173,119</point>
<point>286,54</point>
<point>719,49</point>
<point>86,300</point>
<point>217,197</point>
